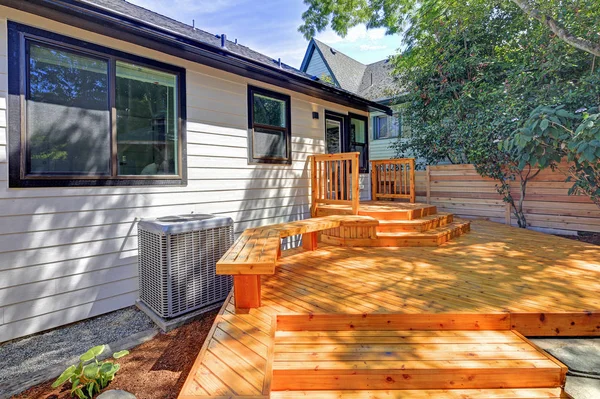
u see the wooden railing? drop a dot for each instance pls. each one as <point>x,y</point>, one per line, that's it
<point>334,180</point>
<point>393,178</point>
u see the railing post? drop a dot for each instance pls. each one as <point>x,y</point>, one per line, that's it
<point>313,186</point>
<point>373,182</point>
<point>412,181</point>
<point>355,185</point>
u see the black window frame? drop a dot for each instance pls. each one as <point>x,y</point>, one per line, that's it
<point>19,35</point>
<point>350,143</point>
<point>287,130</point>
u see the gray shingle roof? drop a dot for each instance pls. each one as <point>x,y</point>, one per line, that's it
<point>348,72</point>
<point>374,81</point>
<point>378,83</point>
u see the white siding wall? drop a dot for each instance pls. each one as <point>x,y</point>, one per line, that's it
<point>67,254</point>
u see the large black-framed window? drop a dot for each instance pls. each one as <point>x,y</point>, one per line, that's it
<point>269,127</point>
<point>86,115</point>
<point>358,139</point>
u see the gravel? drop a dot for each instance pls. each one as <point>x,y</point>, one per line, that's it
<point>22,359</point>
<point>582,357</point>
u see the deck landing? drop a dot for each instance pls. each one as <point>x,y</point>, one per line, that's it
<point>537,284</point>
<point>381,210</point>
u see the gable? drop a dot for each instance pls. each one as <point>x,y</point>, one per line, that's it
<point>317,67</point>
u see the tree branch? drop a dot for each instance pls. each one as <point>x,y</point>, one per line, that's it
<point>558,28</point>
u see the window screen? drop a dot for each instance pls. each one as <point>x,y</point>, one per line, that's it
<point>67,113</point>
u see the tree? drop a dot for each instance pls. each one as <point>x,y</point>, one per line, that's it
<point>476,69</point>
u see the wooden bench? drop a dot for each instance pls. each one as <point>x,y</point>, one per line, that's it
<point>257,250</point>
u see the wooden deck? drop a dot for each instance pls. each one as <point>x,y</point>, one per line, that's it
<point>470,291</point>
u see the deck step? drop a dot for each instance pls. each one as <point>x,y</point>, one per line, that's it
<point>386,210</point>
<point>532,393</point>
<point>430,238</point>
<point>419,225</point>
<point>433,237</point>
<point>412,360</point>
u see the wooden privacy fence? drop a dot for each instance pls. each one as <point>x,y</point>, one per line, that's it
<point>335,180</point>
<point>461,190</point>
<point>393,178</point>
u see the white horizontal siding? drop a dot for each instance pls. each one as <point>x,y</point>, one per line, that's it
<point>67,254</point>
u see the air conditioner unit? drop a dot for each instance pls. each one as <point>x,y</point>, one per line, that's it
<point>177,262</point>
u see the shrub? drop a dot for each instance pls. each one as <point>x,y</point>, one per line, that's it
<point>90,376</point>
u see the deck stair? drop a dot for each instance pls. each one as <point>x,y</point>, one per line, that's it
<point>415,225</point>
<point>430,363</point>
<point>398,225</point>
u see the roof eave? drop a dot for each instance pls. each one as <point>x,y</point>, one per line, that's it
<point>102,21</point>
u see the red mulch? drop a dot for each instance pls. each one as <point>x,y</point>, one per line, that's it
<point>156,369</point>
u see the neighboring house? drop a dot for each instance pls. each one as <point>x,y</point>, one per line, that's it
<point>374,82</point>
<point>110,113</point>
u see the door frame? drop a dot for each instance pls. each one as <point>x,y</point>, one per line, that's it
<point>365,119</point>
<point>344,124</point>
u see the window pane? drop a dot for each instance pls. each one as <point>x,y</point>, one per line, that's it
<point>333,130</point>
<point>67,113</point>
<point>382,127</point>
<point>269,111</point>
<point>147,126</point>
<point>268,143</point>
<point>357,131</point>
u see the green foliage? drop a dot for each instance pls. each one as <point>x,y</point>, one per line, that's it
<point>90,375</point>
<point>327,79</point>
<point>475,70</point>
<point>552,134</point>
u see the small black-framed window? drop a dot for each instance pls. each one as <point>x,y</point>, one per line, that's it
<point>358,139</point>
<point>387,127</point>
<point>86,115</point>
<point>269,127</point>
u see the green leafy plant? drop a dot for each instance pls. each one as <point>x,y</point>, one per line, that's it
<point>553,134</point>
<point>90,375</point>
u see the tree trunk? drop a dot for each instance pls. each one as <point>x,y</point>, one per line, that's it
<point>558,29</point>
<point>521,219</point>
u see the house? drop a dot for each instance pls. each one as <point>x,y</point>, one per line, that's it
<point>110,113</point>
<point>374,82</point>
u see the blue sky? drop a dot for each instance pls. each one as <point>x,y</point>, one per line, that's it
<point>271,27</point>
